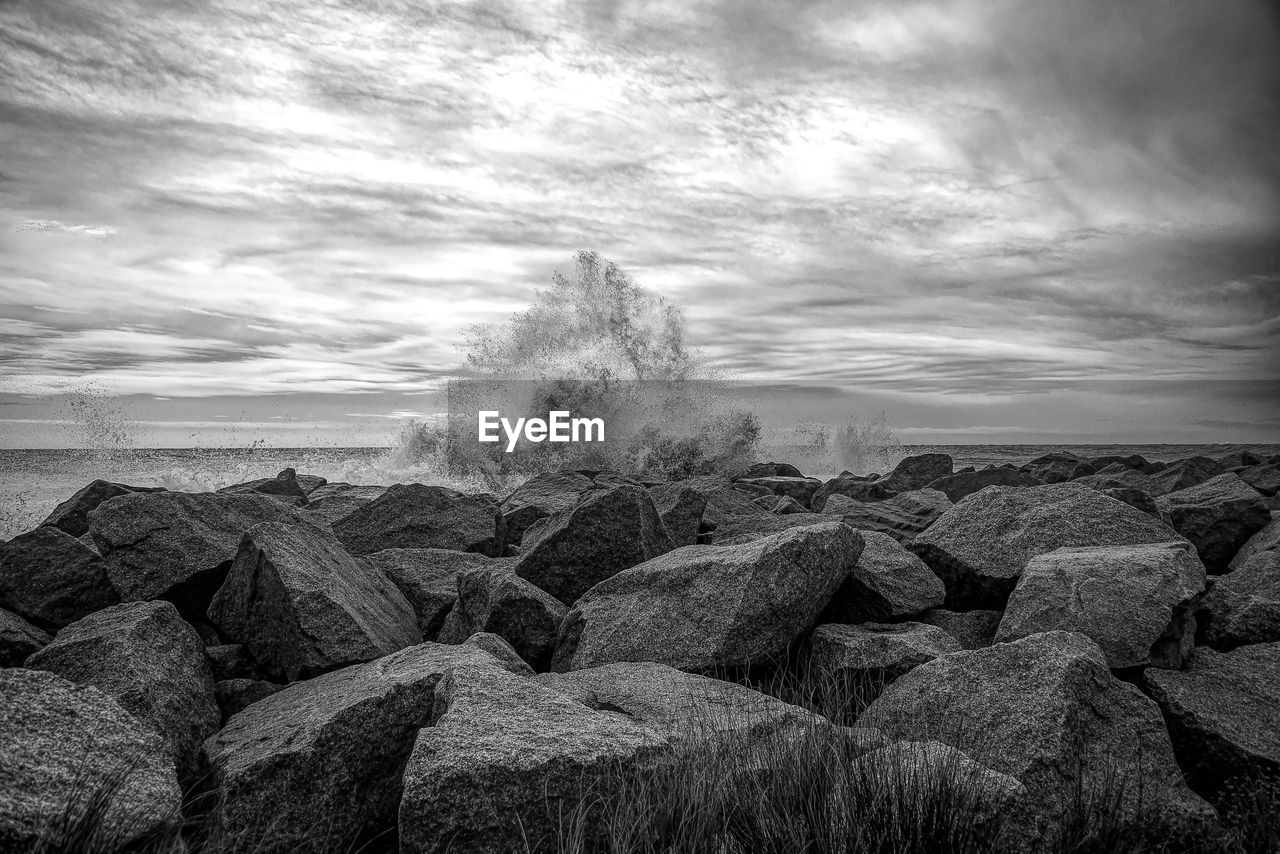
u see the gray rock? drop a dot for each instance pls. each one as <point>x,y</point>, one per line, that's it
<point>62,743</point>
<point>901,517</point>
<point>236,695</point>
<point>1118,476</point>
<point>1138,500</point>
<point>798,489</point>
<point>723,501</point>
<point>539,497</point>
<point>1222,714</point>
<point>72,515</point>
<point>284,486</point>
<point>302,605</point>
<point>872,655</point>
<point>981,545</point>
<point>1185,473</point>
<point>309,482</point>
<point>1264,478</point>
<point>973,629</point>
<point>334,501</point>
<point>1135,602</point>
<point>781,505</point>
<point>611,529</point>
<point>1218,517</point>
<point>318,764</point>
<point>52,578</point>
<point>231,661</point>
<point>853,486</point>
<point>1057,468</point>
<point>771,470</point>
<point>152,663</point>
<point>1047,711</point>
<point>705,607</point>
<point>735,530</point>
<point>916,472</point>
<point>680,507</point>
<point>498,601</point>
<point>1239,459</point>
<point>414,516</point>
<point>428,578</point>
<point>1243,606</point>
<point>18,639</point>
<point>961,484</point>
<point>1265,540</point>
<point>888,582</point>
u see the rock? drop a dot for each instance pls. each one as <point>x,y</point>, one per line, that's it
<point>980,546</point>
<point>611,529</point>
<point>723,501</point>
<point>1239,459</point>
<point>1185,473</point>
<point>152,663</point>
<point>735,530</point>
<point>236,695</point>
<point>428,578</point>
<point>1057,468</point>
<point>309,482</point>
<point>961,484</point>
<point>866,657</point>
<point>1047,711</point>
<point>284,486</point>
<point>1117,476</point>
<point>771,470</point>
<point>798,489</point>
<point>901,517</point>
<point>755,493</point>
<point>303,606</point>
<point>334,501</point>
<point>1132,461</point>
<point>887,583</point>
<point>318,764</point>
<point>1135,602</point>
<point>973,629</point>
<point>1243,606</point>
<point>539,497</point>
<point>60,745</point>
<point>72,515</point>
<point>1264,478</point>
<point>51,578</point>
<point>915,472</point>
<point>1137,499</point>
<point>1222,714</point>
<point>413,516</point>
<point>1218,517</point>
<point>705,607</point>
<point>18,639</point>
<point>498,601</point>
<point>850,485</point>
<point>680,508</point>
<point>1265,540</point>
<point>231,661</point>
<point>176,545</point>
<point>780,505</point>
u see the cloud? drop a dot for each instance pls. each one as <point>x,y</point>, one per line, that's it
<point>48,225</point>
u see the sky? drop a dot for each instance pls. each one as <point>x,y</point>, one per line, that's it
<point>992,220</point>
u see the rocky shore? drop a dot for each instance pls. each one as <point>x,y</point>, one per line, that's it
<point>295,665</point>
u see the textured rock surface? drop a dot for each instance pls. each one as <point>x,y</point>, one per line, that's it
<point>887,583</point>
<point>1265,540</point>
<point>973,629</point>
<point>18,639</point>
<point>428,578</point>
<point>498,601</point>
<point>334,501</point>
<point>319,763</point>
<point>680,507</point>
<point>53,578</point>
<point>284,486</point>
<point>980,546</point>
<point>901,517</point>
<point>302,605</point>
<point>58,741</point>
<point>1047,711</point>
<point>414,516</point>
<point>1135,602</point>
<point>1218,517</point>
<point>960,484</point>
<point>72,515</point>
<point>152,663</point>
<point>539,497</point>
<point>798,489</point>
<point>1263,478</point>
<point>853,486</point>
<point>916,472</point>
<point>1057,468</point>
<point>875,654</point>
<point>735,530</point>
<point>1243,606</point>
<point>611,529</point>
<point>1222,713</point>
<point>1185,473</point>
<point>703,607</point>
<point>236,695</point>
<point>722,500</point>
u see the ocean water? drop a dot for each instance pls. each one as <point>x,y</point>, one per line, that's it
<point>33,482</point>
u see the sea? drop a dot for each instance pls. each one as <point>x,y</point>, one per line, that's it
<point>33,482</point>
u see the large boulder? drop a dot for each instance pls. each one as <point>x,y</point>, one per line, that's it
<point>734,530</point>
<point>428,578</point>
<point>1218,517</point>
<point>1186,473</point>
<point>539,497</point>
<point>1264,478</point>
<point>1222,714</point>
<point>981,545</point>
<point>317,766</point>
<point>901,517</point>
<point>799,489</point>
<point>152,663</point>
<point>1243,606</point>
<point>496,600</point>
<point>1265,540</point>
<point>1047,711</point>
<point>1132,461</point>
<point>72,515</point>
<point>851,485</point>
<point>414,516</point>
<point>700,608</point>
<point>957,486</point>
<point>284,486</point>
<point>887,583</point>
<point>770,470</point>
<point>18,639</point>
<point>612,528</point>
<point>781,505</point>
<point>916,472</point>
<point>1118,476</point>
<point>869,656</point>
<point>722,500</point>
<point>1241,458</point>
<point>973,629</point>
<point>1057,467</point>
<point>303,605</point>
<point>52,578</point>
<point>71,756</point>
<point>177,545</point>
<point>333,501</point>
<point>1136,602</point>
<point>680,507</point>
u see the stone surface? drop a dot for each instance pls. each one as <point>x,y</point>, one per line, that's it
<point>318,764</point>
<point>334,501</point>
<point>609,530</point>
<point>52,578</point>
<point>734,530</point>
<point>916,472</point>
<point>853,486</point>
<point>960,484</point>
<point>152,663</point>
<point>771,470</point>
<point>539,497</point>
<point>72,515</point>
<point>236,695</point>
<point>231,661</point>
<point>428,578</point>
<point>781,505</point>
<point>18,639</point>
<point>61,742</point>
<point>888,582</point>
<point>704,607</point>
<point>980,546</point>
<point>798,489</point>
<point>1117,476</point>
<point>496,600</point>
<point>1243,606</point>
<point>1222,714</point>
<point>1186,473</point>
<point>302,605</point>
<point>414,516</point>
<point>1047,711</point>
<point>1266,539</point>
<point>722,500</point>
<point>680,507</point>
<point>875,654</point>
<point>1136,602</point>
<point>284,486</point>
<point>973,629</point>
<point>1218,517</point>
<point>1264,478</point>
<point>901,517</point>
<point>1057,467</point>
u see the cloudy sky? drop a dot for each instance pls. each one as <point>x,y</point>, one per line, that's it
<point>995,220</point>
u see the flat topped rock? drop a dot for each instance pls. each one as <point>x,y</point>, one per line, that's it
<point>1218,516</point>
<point>416,516</point>
<point>72,515</point>
<point>52,578</point>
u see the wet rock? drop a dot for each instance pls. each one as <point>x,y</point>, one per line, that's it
<point>428,578</point>
<point>1243,606</point>
<point>960,484</point>
<point>1218,517</point>
<point>284,486</point>
<point>852,486</point>
<point>1135,602</point>
<point>680,507</point>
<point>1186,473</point>
<point>498,601</point>
<point>50,577</point>
<point>901,517</point>
<point>414,516</point>
<point>888,582</point>
<point>539,497</point>
<point>302,605</point>
<point>18,639</point>
<point>973,629</point>
<point>72,515</point>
